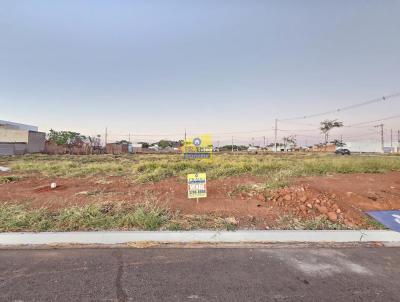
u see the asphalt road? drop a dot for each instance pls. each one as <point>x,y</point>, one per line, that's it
<point>201,274</point>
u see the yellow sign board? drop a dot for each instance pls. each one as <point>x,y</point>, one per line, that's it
<point>197,185</point>
<point>198,147</point>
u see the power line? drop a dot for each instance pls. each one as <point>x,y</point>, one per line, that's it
<point>300,124</point>
<point>375,121</point>
<point>376,100</point>
<point>287,120</point>
<point>245,132</point>
<point>299,130</point>
<point>257,130</point>
<point>347,126</point>
<point>222,134</point>
<point>361,135</point>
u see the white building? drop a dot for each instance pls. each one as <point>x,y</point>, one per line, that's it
<point>18,139</point>
<point>370,146</point>
<point>17,126</point>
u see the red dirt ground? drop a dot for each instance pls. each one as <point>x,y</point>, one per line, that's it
<point>346,196</point>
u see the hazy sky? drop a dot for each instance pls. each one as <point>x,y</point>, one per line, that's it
<point>157,67</point>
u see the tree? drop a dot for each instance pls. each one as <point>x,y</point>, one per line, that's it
<point>167,143</point>
<point>235,147</point>
<point>145,145</point>
<point>289,140</point>
<point>327,126</point>
<point>65,137</point>
<point>94,141</point>
<point>164,144</point>
<point>338,143</point>
<point>122,142</point>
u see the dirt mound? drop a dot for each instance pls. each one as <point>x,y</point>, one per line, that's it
<point>48,188</point>
<point>307,203</point>
<point>363,192</point>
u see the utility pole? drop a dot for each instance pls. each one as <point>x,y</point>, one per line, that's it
<point>276,134</point>
<point>264,141</point>
<point>232,144</point>
<point>129,138</point>
<point>105,138</point>
<point>391,140</point>
<point>398,137</point>
<point>382,141</point>
<point>184,143</point>
<point>398,141</point>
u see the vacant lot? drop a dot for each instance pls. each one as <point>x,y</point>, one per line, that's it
<point>289,191</point>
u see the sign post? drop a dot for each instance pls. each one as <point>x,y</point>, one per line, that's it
<point>197,186</point>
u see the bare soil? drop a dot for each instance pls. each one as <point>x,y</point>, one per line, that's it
<point>339,198</point>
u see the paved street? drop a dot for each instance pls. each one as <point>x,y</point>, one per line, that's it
<point>201,274</point>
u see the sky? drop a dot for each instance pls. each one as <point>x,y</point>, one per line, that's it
<point>155,68</point>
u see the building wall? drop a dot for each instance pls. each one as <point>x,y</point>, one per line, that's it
<point>364,146</point>
<point>116,148</point>
<point>21,141</point>
<point>12,148</point>
<point>6,149</point>
<point>19,148</point>
<point>53,148</point>
<point>36,142</point>
<point>13,136</point>
<point>326,148</point>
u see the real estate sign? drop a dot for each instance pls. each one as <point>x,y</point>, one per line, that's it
<point>198,147</point>
<point>197,185</point>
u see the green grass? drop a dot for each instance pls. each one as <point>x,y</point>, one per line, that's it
<point>105,216</point>
<point>288,222</point>
<point>144,216</point>
<point>200,222</point>
<point>373,224</point>
<point>9,178</point>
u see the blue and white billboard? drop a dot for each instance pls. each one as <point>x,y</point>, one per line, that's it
<point>390,219</point>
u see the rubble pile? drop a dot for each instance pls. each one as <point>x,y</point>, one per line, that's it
<point>306,203</point>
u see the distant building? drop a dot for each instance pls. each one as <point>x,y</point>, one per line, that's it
<point>17,139</point>
<point>17,126</point>
<point>115,148</point>
<point>370,146</point>
<point>136,148</point>
<point>252,149</point>
<point>154,148</point>
<point>305,148</point>
<point>324,148</point>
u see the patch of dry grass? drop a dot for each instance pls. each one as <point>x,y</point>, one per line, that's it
<point>150,168</point>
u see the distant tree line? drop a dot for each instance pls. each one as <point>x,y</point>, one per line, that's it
<point>71,138</point>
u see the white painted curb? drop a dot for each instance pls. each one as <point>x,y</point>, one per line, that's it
<point>120,237</point>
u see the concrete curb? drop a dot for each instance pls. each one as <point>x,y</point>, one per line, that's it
<point>121,237</point>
